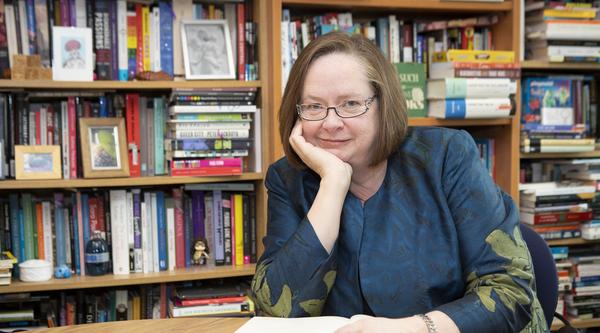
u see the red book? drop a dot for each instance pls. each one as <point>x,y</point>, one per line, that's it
<point>556,217</point>
<point>132,115</point>
<point>40,230</point>
<point>38,128</point>
<point>241,41</point>
<point>71,111</point>
<point>139,54</point>
<point>207,301</point>
<point>213,171</point>
<point>93,212</point>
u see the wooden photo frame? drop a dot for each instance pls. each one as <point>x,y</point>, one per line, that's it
<point>37,162</point>
<point>103,147</point>
<point>207,52</point>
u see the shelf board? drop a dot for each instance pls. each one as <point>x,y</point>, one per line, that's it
<point>427,5</point>
<point>571,241</point>
<point>587,154</point>
<point>83,282</point>
<point>425,121</point>
<point>120,182</point>
<point>578,324</point>
<point>117,85</point>
<point>538,64</point>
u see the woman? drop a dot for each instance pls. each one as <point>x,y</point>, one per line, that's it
<point>368,217</point>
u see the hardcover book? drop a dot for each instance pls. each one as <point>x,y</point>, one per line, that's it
<point>412,77</point>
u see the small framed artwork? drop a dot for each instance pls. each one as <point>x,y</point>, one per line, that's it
<point>37,162</point>
<point>207,50</point>
<point>103,147</point>
<point>72,54</point>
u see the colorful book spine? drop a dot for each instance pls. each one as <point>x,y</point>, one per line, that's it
<point>227,219</point>
<point>161,230</point>
<point>132,39</point>
<point>166,37</point>
<point>239,229</point>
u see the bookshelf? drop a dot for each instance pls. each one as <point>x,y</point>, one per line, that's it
<point>259,10</point>
<point>505,34</point>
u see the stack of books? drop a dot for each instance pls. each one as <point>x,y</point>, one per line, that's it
<point>211,301</point>
<point>556,115</point>
<point>562,32</point>
<point>7,260</point>
<point>472,84</point>
<point>556,210</point>
<point>583,302</point>
<point>210,131</point>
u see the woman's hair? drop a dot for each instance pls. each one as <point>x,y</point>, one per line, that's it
<point>392,113</point>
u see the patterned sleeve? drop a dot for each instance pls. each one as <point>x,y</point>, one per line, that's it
<point>295,274</point>
<point>497,269</point>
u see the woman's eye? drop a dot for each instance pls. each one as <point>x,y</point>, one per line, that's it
<point>352,103</point>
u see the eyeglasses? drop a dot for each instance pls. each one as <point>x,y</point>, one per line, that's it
<point>348,109</point>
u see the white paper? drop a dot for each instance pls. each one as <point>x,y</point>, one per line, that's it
<point>325,324</point>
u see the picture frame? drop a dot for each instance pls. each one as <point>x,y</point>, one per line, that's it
<point>37,162</point>
<point>72,54</point>
<point>207,53</point>
<point>103,147</point>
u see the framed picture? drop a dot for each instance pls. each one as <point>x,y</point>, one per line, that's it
<point>37,162</point>
<point>103,147</point>
<point>72,54</point>
<point>207,50</point>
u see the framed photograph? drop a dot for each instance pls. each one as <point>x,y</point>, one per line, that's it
<point>72,54</point>
<point>37,162</point>
<point>207,50</point>
<point>103,147</point>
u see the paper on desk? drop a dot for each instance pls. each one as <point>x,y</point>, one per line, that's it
<point>325,324</point>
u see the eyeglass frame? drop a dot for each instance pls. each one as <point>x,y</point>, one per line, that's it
<point>367,101</point>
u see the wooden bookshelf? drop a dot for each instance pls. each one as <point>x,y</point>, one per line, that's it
<point>124,85</point>
<point>577,324</point>
<point>424,121</point>
<point>588,154</point>
<point>571,241</point>
<point>121,182</point>
<point>568,66</point>
<point>427,5</point>
<point>110,280</point>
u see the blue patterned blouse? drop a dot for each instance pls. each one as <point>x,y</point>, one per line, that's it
<point>437,235</point>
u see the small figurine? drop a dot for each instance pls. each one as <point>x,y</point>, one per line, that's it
<point>62,272</point>
<point>200,252</point>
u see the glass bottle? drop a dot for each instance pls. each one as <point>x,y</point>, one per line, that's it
<point>97,259</point>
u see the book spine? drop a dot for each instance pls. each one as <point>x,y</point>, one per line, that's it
<point>166,37</point>
<point>239,229</point>
<point>123,39</point>
<point>246,240</point>
<point>211,171</point>
<point>119,233</point>
<point>146,37</point>
<point>114,42</point>
<point>212,134</point>
<point>102,40</point>
<point>161,230</point>
<point>42,31</point>
<point>159,136</point>
<point>31,27</point>
<point>179,228</point>
<point>171,248</point>
<point>132,40</point>
<point>136,211</point>
<point>217,222</point>
<point>48,248</point>
<point>60,232</point>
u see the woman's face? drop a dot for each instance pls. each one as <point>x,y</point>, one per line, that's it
<point>331,80</point>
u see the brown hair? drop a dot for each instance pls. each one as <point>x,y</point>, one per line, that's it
<point>392,115</point>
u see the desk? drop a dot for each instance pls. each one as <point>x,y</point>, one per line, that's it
<point>178,325</point>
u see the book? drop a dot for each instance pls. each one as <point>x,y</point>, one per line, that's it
<point>323,324</point>
<point>547,101</point>
<point>470,108</point>
<point>470,88</point>
<point>412,78</point>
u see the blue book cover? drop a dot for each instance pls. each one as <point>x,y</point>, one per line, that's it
<point>162,230</point>
<point>456,108</point>
<point>31,26</point>
<point>85,215</point>
<point>21,243</point>
<point>103,109</point>
<point>159,136</point>
<point>217,219</point>
<point>16,231</point>
<point>166,37</point>
<point>76,260</point>
<point>547,101</point>
<point>198,214</point>
<point>59,224</point>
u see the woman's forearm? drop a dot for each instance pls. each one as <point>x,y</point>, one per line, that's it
<point>325,212</point>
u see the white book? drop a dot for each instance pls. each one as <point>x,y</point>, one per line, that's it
<point>43,125</point>
<point>394,39</point>
<point>122,40</point>
<point>119,234</point>
<point>170,206</point>
<point>175,109</point>
<point>256,159</point>
<point>470,88</point>
<point>23,27</point>
<point>11,32</point>
<point>286,56</point>
<point>146,232</point>
<point>587,30</point>
<point>80,14</point>
<point>130,227</point>
<point>47,227</point>
<point>470,108</point>
<point>305,34</point>
<point>553,188</point>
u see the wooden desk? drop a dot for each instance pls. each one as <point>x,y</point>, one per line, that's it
<point>178,325</point>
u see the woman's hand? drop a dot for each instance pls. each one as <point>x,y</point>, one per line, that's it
<point>367,324</point>
<point>324,163</point>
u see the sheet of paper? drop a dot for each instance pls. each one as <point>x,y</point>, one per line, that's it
<point>326,324</point>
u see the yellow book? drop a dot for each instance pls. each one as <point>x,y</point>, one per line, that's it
<point>476,56</point>
<point>146,37</point>
<point>580,13</point>
<point>239,229</point>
